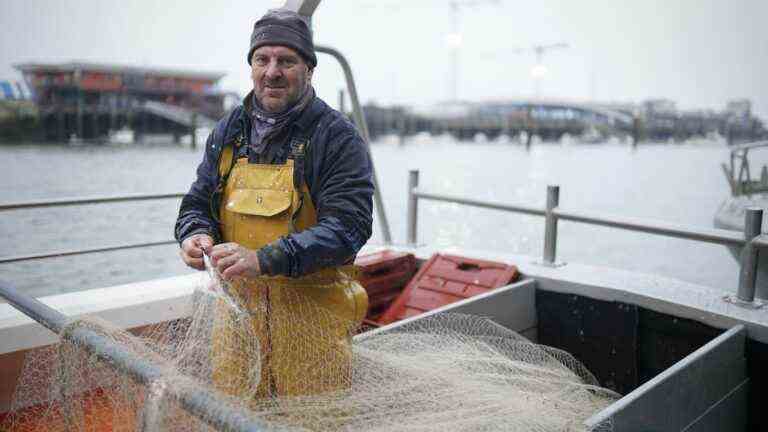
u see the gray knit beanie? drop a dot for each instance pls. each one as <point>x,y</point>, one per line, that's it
<point>286,28</point>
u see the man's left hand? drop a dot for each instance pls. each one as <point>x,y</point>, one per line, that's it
<point>233,260</point>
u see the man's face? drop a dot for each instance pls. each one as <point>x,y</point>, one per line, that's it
<point>279,75</point>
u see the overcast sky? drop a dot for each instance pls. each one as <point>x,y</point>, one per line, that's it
<point>699,53</point>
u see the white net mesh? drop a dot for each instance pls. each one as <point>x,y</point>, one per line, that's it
<point>291,368</point>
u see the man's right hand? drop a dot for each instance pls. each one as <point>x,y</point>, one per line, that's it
<point>192,250</point>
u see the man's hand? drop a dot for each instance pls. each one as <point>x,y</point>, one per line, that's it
<point>233,260</point>
<point>192,250</point>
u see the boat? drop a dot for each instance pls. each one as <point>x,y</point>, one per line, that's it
<point>121,136</point>
<point>748,191</point>
<point>682,357</point>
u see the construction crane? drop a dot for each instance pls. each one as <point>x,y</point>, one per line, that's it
<point>454,39</point>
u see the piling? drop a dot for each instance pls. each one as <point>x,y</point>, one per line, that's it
<point>753,221</point>
<point>550,227</point>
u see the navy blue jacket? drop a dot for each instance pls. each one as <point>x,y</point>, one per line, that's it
<point>338,173</point>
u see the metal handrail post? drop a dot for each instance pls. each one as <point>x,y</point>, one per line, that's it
<point>550,225</point>
<point>753,222</point>
<point>359,119</point>
<point>204,404</point>
<point>413,207</point>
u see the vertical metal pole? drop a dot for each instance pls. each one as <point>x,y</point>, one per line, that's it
<point>359,119</point>
<point>342,108</point>
<point>550,225</point>
<point>413,207</point>
<point>753,222</point>
<point>455,51</point>
<point>539,50</point>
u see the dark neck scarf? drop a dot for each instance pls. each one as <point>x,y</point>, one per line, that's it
<point>265,124</point>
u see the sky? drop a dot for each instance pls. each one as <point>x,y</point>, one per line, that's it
<point>699,53</point>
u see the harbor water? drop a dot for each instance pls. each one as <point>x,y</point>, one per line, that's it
<point>674,183</point>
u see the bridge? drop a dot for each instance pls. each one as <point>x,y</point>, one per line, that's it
<point>550,120</point>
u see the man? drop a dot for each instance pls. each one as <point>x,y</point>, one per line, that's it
<point>282,201</point>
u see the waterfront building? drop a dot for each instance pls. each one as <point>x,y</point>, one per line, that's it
<point>89,100</point>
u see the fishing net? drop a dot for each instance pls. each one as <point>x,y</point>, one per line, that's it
<point>445,372</point>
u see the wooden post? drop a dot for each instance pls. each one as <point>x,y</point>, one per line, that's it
<point>138,127</point>
<point>79,119</point>
<point>194,131</point>
<point>529,128</point>
<point>61,125</point>
<point>635,130</point>
<point>112,113</point>
<point>94,121</point>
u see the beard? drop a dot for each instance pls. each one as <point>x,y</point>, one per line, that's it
<point>278,95</point>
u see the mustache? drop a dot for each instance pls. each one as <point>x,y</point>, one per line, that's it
<point>276,82</point>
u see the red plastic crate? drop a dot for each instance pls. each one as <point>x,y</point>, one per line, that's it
<point>384,274</point>
<point>446,279</point>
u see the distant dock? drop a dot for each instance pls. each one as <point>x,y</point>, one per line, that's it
<point>551,120</point>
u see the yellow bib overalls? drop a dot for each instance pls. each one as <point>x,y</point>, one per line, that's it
<point>303,325</point>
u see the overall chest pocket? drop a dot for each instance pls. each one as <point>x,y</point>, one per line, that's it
<point>259,202</point>
<point>257,216</point>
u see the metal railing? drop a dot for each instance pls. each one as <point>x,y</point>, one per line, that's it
<point>751,240</point>
<point>85,201</point>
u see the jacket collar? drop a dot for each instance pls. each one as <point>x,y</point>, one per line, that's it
<point>310,115</point>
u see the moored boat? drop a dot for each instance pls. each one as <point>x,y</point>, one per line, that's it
<point>748,191</point>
